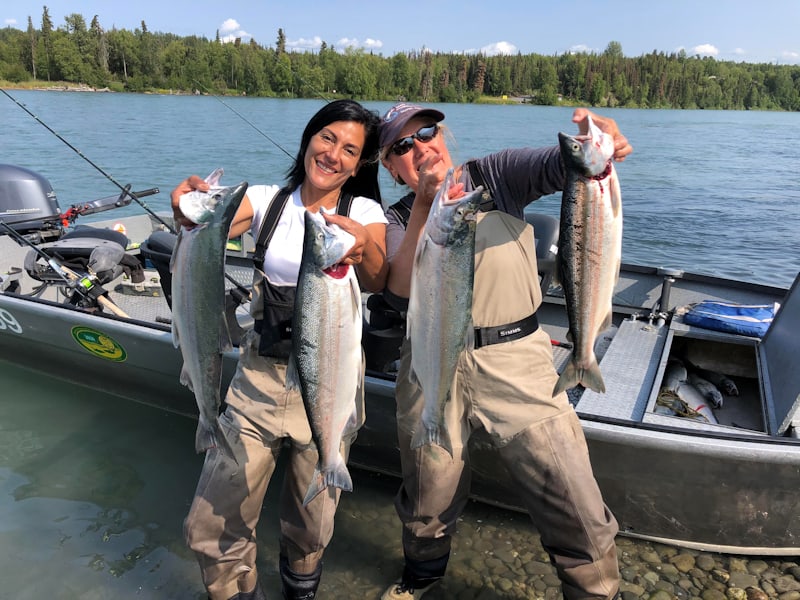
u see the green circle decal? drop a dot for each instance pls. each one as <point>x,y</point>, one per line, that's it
<point>99,344</point>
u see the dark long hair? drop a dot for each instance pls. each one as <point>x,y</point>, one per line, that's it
<point>365,181</point>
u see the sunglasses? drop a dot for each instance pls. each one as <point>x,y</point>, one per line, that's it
<point>423,134</point>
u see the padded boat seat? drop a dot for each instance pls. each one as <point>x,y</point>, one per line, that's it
<point>158,250</point>
<point>545,233</point>
<point>85,250</point>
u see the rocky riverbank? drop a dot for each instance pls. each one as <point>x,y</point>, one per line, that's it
<point>497,555</point>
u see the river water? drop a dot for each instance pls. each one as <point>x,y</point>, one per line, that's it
<point>93,489</point>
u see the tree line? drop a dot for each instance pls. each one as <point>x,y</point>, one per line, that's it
<point>142,60</point>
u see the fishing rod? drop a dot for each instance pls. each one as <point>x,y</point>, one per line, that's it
<point>243,118</point>
<point>85,286</point>
<point>125,190</point>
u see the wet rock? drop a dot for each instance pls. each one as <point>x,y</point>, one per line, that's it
<point>712,595</point>
<point>705,562</point>
<point>683,562</point>
<point>753,593</point>
<point>742,580</point>
<point>756,567</point>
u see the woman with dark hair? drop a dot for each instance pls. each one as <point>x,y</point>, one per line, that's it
<point>335,173</point>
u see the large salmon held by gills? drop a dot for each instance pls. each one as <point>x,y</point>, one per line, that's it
<point>440,305</point>
<point>326,360</point>
<point>199,327</point>
<point>589,249</point>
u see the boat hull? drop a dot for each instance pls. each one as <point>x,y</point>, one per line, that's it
<point>725,491</point>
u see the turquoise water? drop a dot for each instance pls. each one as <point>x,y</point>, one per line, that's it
<point>705,191</point>
<point>94,489</point>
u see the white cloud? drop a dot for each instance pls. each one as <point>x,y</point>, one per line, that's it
<point>230,30</point>
<point>739,51</point>
<point>229,26</point>
<point>705,50</point>
<point>347,43</point>
<point>578,48</point>
<point>10,22</point>
<point>499,48</point>
<point>790,57</point>
<point>372,44</point>
<point>305,43</point>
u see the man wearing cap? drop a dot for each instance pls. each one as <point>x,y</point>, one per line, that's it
<point>503,386</point>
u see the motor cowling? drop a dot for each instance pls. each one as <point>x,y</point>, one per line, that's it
<point>28,202</point>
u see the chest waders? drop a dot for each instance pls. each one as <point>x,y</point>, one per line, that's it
<point>275,327</point>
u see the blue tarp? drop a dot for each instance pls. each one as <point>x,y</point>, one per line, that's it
<point>744,319</point>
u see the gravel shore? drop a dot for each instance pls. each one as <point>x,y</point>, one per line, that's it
<point>497,555</point>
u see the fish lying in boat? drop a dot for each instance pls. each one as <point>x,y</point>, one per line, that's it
<point>674,375</point>
<point>708,389</point>
<point>589,249</point>
<point>199,327</point>
<point>680,396</point>
<point>326,364</point>
<point>720,381</point>
<point>440,305</point>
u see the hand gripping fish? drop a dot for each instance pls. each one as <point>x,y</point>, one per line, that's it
<point>199,327</point>
<point>440,305</point>
<point>589,249</point>
<point>326,361</point>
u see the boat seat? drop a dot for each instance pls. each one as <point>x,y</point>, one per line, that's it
<point>158,250</point>
<point>86,250</point>
<point>545,233</point>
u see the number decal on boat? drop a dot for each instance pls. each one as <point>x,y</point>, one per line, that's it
<point>99,344</point>
<point>8,321</point>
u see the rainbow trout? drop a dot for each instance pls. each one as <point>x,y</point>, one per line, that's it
<point>199,327</point>
<point>326,364</point>
<point>589,249</point>
<point>440,305</point>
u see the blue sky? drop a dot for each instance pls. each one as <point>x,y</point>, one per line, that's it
<point>751,31</point>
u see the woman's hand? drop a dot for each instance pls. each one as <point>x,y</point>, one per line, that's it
<point>189,184</point>
<point>621,146</point>
<point>362,237</point>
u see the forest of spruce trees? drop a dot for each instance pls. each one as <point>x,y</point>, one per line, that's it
<point>141,60</point>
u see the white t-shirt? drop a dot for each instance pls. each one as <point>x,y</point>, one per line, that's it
<point>282,259</point>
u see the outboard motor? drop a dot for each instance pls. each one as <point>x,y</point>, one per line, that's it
<point>28,204</point>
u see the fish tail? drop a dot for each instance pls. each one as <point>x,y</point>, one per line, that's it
<point>433,434</point>
<point>339,477</point>
<point>213,437</point>
<point>573,375</point>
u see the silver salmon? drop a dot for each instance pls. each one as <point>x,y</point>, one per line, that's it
<point>589,249</point>
<point>326,360</point>
<point>440,305</point>
<point>199,327</point>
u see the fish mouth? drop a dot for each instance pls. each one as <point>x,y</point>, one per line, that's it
<point>337,271</point>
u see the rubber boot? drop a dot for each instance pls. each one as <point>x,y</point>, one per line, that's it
<point>296,586</point>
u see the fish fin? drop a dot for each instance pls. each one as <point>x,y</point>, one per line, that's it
<point>208,437</point>
<point>172,256</point>
<point>432,434</point>
<point>338,478</point>
<point>185,379</point>
<point>225,344</point>
<point>292,374</point>
<point>572,375</point>
<point>592,378</point>
<point>569,378</point>
<point>469,337</point>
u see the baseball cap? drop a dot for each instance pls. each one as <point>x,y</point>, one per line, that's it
<point>396,118</point>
